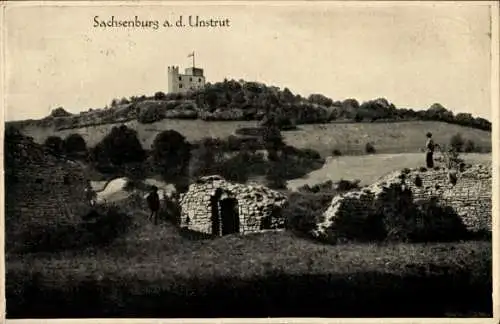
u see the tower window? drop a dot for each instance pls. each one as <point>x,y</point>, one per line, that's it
<point>180,85</point>
<point>190,79</point>
<point>199,79</point>
<point>180,79</point>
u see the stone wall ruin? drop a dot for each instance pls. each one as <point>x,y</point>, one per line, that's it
<point>470,197</point>
<point>41,189</point>
<point>257,208</point>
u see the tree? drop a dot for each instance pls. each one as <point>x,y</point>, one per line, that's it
<point>287,96</point>
<point>206,159</point>
<point>437,112</point>
<point>469,146</point>
<point>119,147</point>
<point>55,144</point>
<point>369,148</point>
<point>171,153</point>
<point>160,95</point>
<point>59,112</point>
<point>273,141</point>
<point>124,101</point>
<point>320,99</point>
<point>350,103</point>
<point>236,168</point>
<point>457,142</point>
<point>75,143</point>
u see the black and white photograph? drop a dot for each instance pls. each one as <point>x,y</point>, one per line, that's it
<point>249,160</point>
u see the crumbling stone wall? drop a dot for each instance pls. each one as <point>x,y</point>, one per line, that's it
<point>41,189</point>
<point>470,197</point>
<point>259,207</point>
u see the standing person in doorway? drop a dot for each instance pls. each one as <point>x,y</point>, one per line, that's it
<point>430,147</point>
<point>154,204</point>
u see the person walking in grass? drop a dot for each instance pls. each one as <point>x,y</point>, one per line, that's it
<point>430,147</point>
<point>154,204</point>
<point>90,194</point>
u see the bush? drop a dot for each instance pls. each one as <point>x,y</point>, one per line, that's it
<point>171,153</point>
<point>469,146</point>
<point>276,175</point>
<point>149,112</point>
<point>119,147</point>
<point>75,144</point>
<point>59,112</point>
<point>369,148</point>
<point>207,158</point>
<point>393,215</point>
<point>235,169</point>
<point>336,152</point>
<point>346,185</point>
<point>160,96</point>
<point>435,222</point>
<point>305,209</point>
<point>457,142</point>
<point>98,227</point>
<point>55,144</point>
<point>251,131</point>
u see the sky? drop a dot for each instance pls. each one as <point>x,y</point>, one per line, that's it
<point>413,54</point>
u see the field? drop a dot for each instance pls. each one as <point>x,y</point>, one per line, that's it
<point>159,272</point>
<point>363,167</point>
<point>349,138</point>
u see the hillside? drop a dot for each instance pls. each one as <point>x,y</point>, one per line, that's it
<point>348,138</point>
<point>243,101</point>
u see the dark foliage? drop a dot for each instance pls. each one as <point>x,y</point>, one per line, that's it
<point>305,209</point>
<point>55,144</point>
<point>121,146</point>
<point>369,148</point>
<point>97,228</point>
<point>171,153</point>
<point>74,144</point>
<point>346,185</point>
<point>336,152</point>
<point>457,142</point>
<point>59,112</point>
<point>160,95</point>
<point>241,100</point>
<point>469,146</point>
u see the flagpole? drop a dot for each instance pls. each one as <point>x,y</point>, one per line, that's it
<point>193,59</point>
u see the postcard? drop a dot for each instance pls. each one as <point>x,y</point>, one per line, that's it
<point>268,161</point>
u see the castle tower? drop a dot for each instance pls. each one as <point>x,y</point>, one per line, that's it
<point>192,79</point>
<point>173,79</point>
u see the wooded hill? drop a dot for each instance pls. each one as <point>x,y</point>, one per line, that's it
<point>241,100</point>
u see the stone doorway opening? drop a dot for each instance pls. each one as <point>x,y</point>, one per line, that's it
<point>225,214</point>
<point>230,218</point>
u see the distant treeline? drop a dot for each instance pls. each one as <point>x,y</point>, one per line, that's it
<point>241,100</point>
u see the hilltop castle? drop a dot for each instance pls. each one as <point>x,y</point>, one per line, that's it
<point>192,78</point>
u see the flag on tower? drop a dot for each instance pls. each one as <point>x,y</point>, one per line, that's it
<point>191,54</point>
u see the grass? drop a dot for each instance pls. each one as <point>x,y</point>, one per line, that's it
<point>362,167</point>
<point>155,272</point>
<point>348,138</point>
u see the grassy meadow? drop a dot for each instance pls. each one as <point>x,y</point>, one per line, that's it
<point>370,168</point>
<point>157,271</point>
<point>348,138</point>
